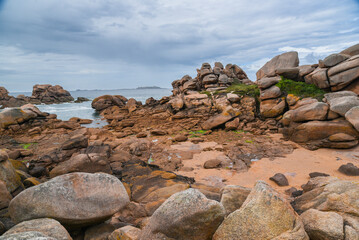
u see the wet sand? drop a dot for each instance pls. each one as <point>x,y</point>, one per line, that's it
<point>295,166</point>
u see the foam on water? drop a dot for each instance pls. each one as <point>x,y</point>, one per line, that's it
<point>65,111</point>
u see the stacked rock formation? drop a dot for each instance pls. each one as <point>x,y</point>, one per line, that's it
<point>331,123</point>
<point>272,102</point>
<point>209,79</point>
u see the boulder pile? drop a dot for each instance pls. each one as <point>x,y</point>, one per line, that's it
<point>45,93</point>
<point>49,94</point>
<point>209,79</point>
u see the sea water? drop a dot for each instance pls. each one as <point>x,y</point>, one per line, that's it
<point>65,111</point>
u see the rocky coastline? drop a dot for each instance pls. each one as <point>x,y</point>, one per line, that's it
<point>221,158</point>
<point>41,94</point>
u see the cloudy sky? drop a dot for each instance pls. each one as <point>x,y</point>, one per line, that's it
<point>111,44</point>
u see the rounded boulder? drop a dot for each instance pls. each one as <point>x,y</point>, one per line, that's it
<point>75,199</point>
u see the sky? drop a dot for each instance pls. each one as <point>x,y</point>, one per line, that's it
<point>112,44</point>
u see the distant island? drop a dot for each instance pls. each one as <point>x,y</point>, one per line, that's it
<point>150,87</point>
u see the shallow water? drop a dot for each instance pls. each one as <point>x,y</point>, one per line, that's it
<point>65,111</point>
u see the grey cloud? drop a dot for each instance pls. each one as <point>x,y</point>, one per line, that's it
<point>113,38</point>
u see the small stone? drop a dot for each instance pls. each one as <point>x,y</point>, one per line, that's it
<point>141,135</point>
<point>318,174</point>
<point>349,169</point>
<point>125,233</point>
<point>280,179</point>
<point>181,138</point>
<point>158,132</point>
<point>213,163</point>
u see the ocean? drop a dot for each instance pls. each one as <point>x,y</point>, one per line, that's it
<point>65,111</point>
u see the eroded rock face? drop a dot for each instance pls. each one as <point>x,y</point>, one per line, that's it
<point>48,94</point>
<point>264,215</point>
<point>233,197</point>
<point>74,199</point>
<point>185,215</point>
<point>46,226</point>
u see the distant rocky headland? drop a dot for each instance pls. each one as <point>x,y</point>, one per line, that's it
<point>223,157</point>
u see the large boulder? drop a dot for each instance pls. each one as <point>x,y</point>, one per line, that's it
<point>323,225</point>
<point>221,118</point>
<point>342,105</point>
<point>308,112</point>
<point>319,132</point>
<point>285,60</point>
<point>266,82</point>
<point>13,116</point>
<point>185,215</point>
<point>74,199</point>
<point>334,59</point>
<point>46,226</point>
<point>272,107</point>
<point>48,94</point>
<point>90,163</point>
<point>106,101</point>
<point>269,93</point>
<point>264,215</point>
<point>318,77</point>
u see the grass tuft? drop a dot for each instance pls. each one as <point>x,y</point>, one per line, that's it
<point>244,90</point>
<point>300,89</point>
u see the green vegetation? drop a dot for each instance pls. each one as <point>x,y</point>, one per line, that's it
<point>300,89</point>
<point>244,90</point>
<point>249,141</point>
<point>198,133</point>
<point>26,146</point>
